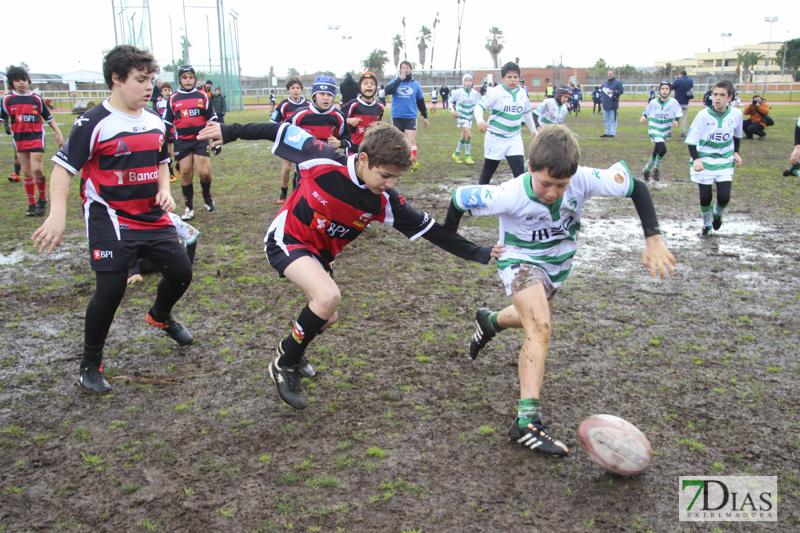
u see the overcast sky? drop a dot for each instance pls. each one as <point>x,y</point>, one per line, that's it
<point>287,34</point>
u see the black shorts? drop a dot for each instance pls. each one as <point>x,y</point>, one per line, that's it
<point>280,257</point>
<point>121,256</point>
<point>185,147</point>
<point>404,124</point>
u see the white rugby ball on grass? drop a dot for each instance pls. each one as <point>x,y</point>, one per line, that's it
<point>615,444</point>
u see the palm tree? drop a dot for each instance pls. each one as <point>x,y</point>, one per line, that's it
<point>494,44</point>
<point>423,40</point>
<point>397,44</point>
<point>747,60</point>
<point>375,61</point>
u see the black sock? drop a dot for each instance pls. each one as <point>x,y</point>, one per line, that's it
<point>92,356</point>
<point>284,191</point>
<point>307,327</point>
<point>188,195</point>
<point>206,186</point>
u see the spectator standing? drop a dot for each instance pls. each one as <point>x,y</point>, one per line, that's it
<point>683,93</point>
<point>349,88</point>
<point>220,104</point>
<point>444,91</point>
<point>609,95</point>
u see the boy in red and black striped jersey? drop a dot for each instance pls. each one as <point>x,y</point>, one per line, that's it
<point>189,110</point>
<point>363,110</point>
<point>25,112</point>
<point>121,151</point>
<point>161,108</point>
<point>337,198</point>
<point>284,113</point>
<point>323,121</point>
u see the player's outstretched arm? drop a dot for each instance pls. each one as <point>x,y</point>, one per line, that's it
<point>230,132</point>
<point>457,245</point>
<point>51,232</point>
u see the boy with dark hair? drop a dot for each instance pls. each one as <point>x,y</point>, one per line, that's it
<point>284,113</point>
<point>363,110</point>
<point>661,115</point>
<point>25,112</point>
<point>189,110</point>
<point>713,142</point>
<point>121,151</point>
<point>509,107</point>
<point>161,108</point>
<point>218,100</point>
<point>407,100</point>
<point>338,197</point>
<point>540,216</point>
<point>552,110</point>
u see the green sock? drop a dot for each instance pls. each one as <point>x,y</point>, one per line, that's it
<point>649,164</point>
<point>466,147</point>
<point>528,410</point>
<point>657,163</point>
<point>706,211</point>
<point>718,209</point>
<point>493,323</point>
<point>458,147</point>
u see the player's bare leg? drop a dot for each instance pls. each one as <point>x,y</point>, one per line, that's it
<point>202,165</point>
<point>186,166</point>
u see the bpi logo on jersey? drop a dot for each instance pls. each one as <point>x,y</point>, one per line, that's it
<point>102,254</point>
<point>319,223</point>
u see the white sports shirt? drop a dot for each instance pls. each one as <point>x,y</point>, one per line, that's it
<point>660,116</point>
<point>550,112</point>
<point>507,111</point>
<point>713,136</point>
<point>465,103</point>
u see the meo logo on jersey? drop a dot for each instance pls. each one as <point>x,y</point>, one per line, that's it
<point>102,254</point>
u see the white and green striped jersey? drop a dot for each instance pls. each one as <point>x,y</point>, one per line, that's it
<point>550,112</point>
<point>660,116</point>
<point>534,232</point>
<point>713,136</point>
<point>465,102</point>
<point>506,108</point>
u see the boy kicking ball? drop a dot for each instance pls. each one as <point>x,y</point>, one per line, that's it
<point>540,216</point>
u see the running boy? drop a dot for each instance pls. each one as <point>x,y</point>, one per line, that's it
<point>161,108</point>
<point>434,98</point>
<point>662,114</point>
<point>323,121</point>
<point>540,216</point>
<point>25,112</point>
<point>713,142</point>
<point>284,113</point>
<point>552,110</point>
<point>407,100</point>
<point>363,110</point>
<point>577,96</point>
<point>508,106</point>
<point>463,101</point>
<point>189,110</point>
<point>336,200</point>
<point>121,150</point>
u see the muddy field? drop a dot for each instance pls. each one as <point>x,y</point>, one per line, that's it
<point>404,433</point>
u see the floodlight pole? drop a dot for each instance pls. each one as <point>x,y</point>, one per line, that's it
<point>114,18</point>
<point>185,36</point>
<point>724,40</point>
<point>766,60</point>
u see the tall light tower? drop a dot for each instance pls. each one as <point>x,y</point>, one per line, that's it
<point>766,60</point>
<point>725,37</point>
<point>333,28</point>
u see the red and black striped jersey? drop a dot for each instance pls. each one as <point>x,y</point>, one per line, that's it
<point>161,108</point>
<point>119,156</point>
<point>286,110</point>
<point>189,112</point>
<point>25,113</point>
<point>367,112</point>
<point>322,124</point>
<point>331,206</point>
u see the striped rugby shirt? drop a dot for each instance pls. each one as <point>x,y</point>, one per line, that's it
<point>119,157</point>
<point>537,233</point>
<point>550,112</point>
<point>506,110</point>
<point>189,112</point>
<point>26,113</point>
<point>465,102</point>
<point>713,136</point>
<point>660,116</point>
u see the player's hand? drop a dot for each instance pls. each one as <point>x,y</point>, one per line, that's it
<point>455,115</point>
<point>698,165</point>
<point>133,279</point>
<point>425,122</point>
<point>643,120</point>
<point>333,141</point>
<point>165,200</point>
<point>8,131</point>
<point>738,159</point>
<point>59,139</point>
<point>674,123</point>
<point>795,157</point>
<point>49,234</point>
<point>211,131</point>
<point>483,127</point>
<point>498,250</point>
<point>656,258</point>
<point>353,121</point>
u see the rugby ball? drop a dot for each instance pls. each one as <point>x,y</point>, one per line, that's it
<point>615,444</point>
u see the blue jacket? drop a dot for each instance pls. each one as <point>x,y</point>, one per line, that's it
<point>681,86</point>
<point>611,102</point>
<point>407,98</point>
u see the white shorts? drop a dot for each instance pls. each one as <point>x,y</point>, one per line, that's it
<point>520,276</point>
<point>707,179</point>
<point>498,148</point>
<point>461,123</point>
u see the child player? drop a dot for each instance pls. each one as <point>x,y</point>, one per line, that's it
<point>662,115</point>
<point>794,157</point>
<point>121,151</point>
<point>508,105</point>
<point>363,110</point>
<point>463,102</point>
<point>713,142</point>
<point>189,110</point>
<point>25,112</point>
<point>284,113</point>
<point>161,108</point>
<point>434,99</point>
<point>337,198</point>
<point>540,216</point>
<point>553,110</point>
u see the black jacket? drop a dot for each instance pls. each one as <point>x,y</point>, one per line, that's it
<point>349,89</point>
